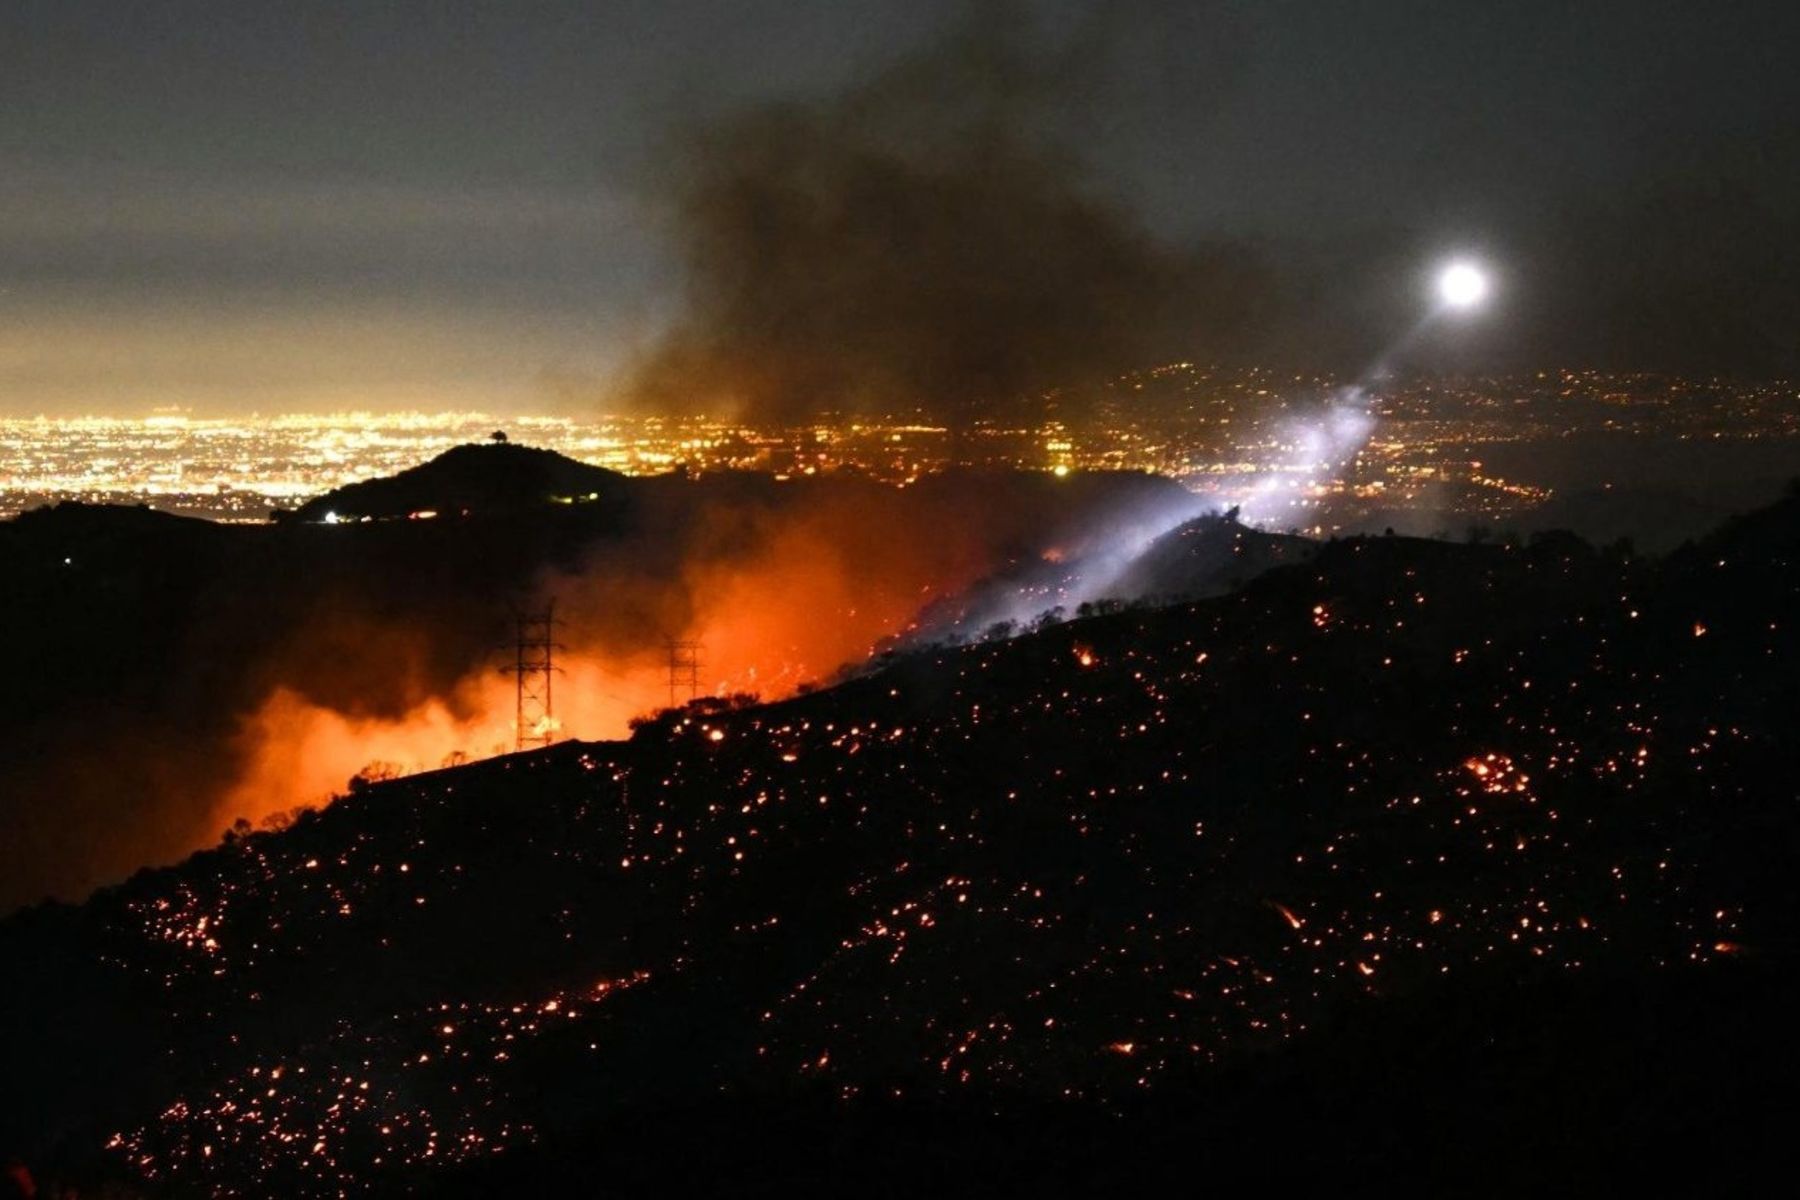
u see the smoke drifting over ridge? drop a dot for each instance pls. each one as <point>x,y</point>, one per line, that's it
<point>781,585</point>
<point>290,658</point>
<point>923,239</point>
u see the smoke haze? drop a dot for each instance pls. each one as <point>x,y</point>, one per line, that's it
<point>921,240</point>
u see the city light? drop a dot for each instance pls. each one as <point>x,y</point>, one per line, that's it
<point>1285,447</point>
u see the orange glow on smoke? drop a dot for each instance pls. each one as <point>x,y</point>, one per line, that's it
<point>817,592</point>
<point>302,753</point>
<point>798,612</point>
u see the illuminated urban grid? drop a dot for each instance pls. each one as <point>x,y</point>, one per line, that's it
<point>1217,431</point>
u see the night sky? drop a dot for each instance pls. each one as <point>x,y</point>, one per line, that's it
<point>313,205</point>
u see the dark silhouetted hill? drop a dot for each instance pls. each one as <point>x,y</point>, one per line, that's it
<point>1209,555</point>
<point>1654,520</point>
<point>481,478</point>
<point>1769,532</point>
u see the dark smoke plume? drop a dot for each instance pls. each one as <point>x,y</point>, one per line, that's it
<point>921,240</point>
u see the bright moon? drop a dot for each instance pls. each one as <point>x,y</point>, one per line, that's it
<point>1462,285</point>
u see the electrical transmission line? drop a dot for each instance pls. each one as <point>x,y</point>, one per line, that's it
<point>684,669</point>
<point>534,671</point>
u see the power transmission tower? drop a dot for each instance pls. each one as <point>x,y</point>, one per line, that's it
<point>533,669</point>
<point>684,668</point>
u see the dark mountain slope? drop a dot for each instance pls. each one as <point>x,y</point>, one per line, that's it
<point>1412,810</point>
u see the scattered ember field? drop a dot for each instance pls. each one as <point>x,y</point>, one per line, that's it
<point>1114,861</point>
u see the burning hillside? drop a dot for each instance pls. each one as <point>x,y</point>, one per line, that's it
<point>187,675</point>
<point>1100,870</point>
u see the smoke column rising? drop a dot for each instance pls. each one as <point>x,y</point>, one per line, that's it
<point>923,240</point>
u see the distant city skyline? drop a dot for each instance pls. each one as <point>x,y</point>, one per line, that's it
<point>1435,455</point>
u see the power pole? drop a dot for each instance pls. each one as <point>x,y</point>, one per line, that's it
<point>684,668</point>
<point>533,669</point>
